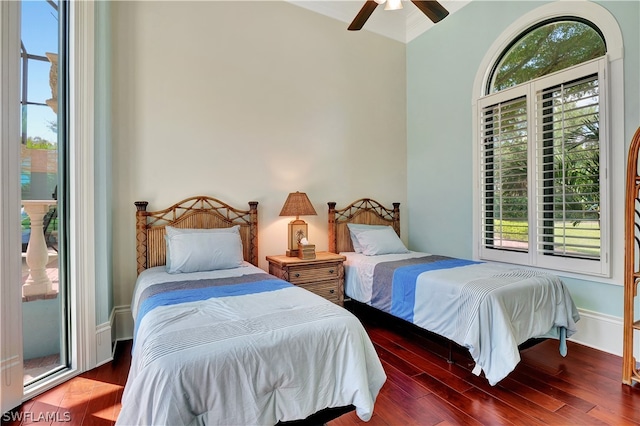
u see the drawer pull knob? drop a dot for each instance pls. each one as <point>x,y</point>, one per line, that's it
<point>331,271</point>
<point>332,291</point>
<point>296,275</point>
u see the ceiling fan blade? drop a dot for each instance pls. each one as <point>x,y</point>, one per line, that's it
<point>432,9</point>
<point>363,15</point>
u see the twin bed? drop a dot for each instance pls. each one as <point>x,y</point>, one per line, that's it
<point>488,308</point>
<point>219,341</point>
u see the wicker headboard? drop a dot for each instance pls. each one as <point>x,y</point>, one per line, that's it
<point>196,212</point>
<point>365,211</point>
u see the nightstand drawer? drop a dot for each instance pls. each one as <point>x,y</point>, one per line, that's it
<point>328,289</point>
<point>307,274</point>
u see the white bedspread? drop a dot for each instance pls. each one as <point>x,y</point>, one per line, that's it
<point>489,308</point>
<point>249,359</point>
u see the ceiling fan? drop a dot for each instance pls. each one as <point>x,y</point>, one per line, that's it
<point>431,8</point>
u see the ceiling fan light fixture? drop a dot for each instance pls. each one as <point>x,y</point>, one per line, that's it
<point>431,8</point>
<point>393,5</point>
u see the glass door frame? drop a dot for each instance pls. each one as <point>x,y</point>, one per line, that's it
<point>80,249</point>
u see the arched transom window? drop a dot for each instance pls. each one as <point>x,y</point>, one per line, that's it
<point>546,48</point>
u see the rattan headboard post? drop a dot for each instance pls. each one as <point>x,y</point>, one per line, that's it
<point>253,231</point>
<point>332,226</point>
<point>363,211</point>
<point>396,218</point>
<point>141,234</point>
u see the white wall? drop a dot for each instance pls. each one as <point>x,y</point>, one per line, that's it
<point>441,68</point>
<point>250,101</point>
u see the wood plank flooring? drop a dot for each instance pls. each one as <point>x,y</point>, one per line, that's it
<point>422,388</point>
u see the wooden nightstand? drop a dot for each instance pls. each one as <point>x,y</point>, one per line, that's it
<point>323,275</point>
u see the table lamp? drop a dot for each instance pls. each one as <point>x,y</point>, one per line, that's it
<point>297,204</point>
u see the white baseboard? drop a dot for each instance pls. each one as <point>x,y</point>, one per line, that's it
<point>123,321</point>
<point>595,330</point>
<point>599,331</point>
<point>103,343</point>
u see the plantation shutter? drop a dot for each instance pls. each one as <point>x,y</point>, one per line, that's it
<point>504,171</point>
<point>568,169</point>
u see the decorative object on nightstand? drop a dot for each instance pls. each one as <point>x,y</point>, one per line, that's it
<point>323,275</point>
<point>306,250</point>
<point>297,204</point>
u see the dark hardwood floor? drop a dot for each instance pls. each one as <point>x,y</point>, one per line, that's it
<point>422,388</point>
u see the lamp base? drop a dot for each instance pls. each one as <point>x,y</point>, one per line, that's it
<point>297,231</point>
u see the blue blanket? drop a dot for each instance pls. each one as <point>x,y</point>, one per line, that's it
<point>173,293</point>
<point>399,298</point>
<point>403,299</point>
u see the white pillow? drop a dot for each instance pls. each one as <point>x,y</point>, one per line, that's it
<point>357,228</point>
<point>381,241</point>
<point>171,231</point>
<point>203,251</point>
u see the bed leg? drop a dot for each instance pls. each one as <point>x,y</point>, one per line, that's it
<point>450,358</point>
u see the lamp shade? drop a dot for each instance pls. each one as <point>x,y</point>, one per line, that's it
<point>297,204</point>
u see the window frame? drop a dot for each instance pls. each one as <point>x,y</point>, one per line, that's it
<point>612,112</point>
<point>533,256</point>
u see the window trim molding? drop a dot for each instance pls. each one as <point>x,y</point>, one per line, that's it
<point>608,25</point>
<point>81,153</point>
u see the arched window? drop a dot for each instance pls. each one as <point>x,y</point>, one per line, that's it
<point>545,48</point>
<point>542,148</point>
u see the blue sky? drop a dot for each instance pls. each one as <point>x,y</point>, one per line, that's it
<point>39,35</point>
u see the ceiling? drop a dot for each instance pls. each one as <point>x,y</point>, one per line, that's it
<point>402,25</point>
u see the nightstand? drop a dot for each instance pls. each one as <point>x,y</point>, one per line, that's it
<point>323,275</point>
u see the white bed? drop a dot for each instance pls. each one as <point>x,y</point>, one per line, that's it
<point>240,346</point>
<point>488,308</point>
